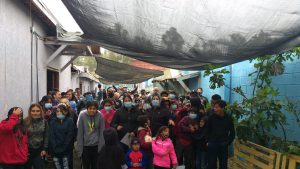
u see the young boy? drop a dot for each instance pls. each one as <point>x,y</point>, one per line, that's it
<point>135,158</point>
<point>90,135</point>
<point>220,133</point>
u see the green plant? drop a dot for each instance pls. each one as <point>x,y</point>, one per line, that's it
<point>260,111</point>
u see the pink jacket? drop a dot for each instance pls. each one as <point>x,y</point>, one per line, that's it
<point>163,152</point>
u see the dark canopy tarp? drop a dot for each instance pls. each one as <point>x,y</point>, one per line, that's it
<point>187,34</point>
<point>115,72</point>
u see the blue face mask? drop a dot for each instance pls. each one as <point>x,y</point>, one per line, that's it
<point>173,106</point>
<point>127,104</point>
<point>107,108</point>
<point>61,116</point>
<point>155,103</point>
<point>48,105</point>
<point>172,96</point>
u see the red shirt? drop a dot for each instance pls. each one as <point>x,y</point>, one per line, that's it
<point>13,146</point>
<point>108,117</point>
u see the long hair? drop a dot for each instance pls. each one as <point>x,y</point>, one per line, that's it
<point>160,130</point>
<point>20,126</point>
<point>28,119</point>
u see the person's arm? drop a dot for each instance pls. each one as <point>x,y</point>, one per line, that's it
<point>115,121</point>
<point>116,89</point>
<point>80,134</point>
<point>231,130</point>
<point>128,160</point>
<point>7,126</point>
<point>134,90</point>
<point>102,127</point>
<point>46,136</point>
<point>70,135</point>
<point>184,125</point>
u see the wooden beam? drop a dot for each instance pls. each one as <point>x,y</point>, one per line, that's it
<point>55,54</point>
<point>67,64</point>
<point>185,87</point>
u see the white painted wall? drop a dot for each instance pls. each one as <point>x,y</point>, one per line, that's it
<point>15,58</point>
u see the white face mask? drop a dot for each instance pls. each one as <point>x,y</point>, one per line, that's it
<point>192,115</point>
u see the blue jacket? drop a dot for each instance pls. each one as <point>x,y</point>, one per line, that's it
<point>136,157</point>
<point>61,136</point>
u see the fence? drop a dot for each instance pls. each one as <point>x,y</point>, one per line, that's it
<point>252,156</point>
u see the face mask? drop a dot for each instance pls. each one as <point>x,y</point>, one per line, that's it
<point>155,103</point>
<point>146,106</point>
<point>61,116</point>
<point>174,106</point>
<point>172,96</point>
<point>107,108</point>
<point>133,104</point>
<point>48,105</point>
<point>192,115</point>
<point>127,104</point>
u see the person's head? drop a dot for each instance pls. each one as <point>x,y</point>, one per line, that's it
<point>165,102</point>
<point>136,96</point>
<point>194,94</point>
<point>200,91</point>
<point>143,121</point>
<point>187,104</point>
<point>56,95</point>
<point>143,92</point>
<point>127,101</point>
<point>172,95</point>
<point>125,89</point>
<point>174,105</point>
<point>196,102</point>
<point>10,112</point>
<point>215,98</point>
<point>69,94</point>
<point>61,111</point>
<point>116,95</point>
<point>110,137</point>
<point>203,121</point>
<point>156,90</point>
<point>135,144</point>
<point>89,97</point>
<point>35,112</point>
<point>92,107</point>
<point>163,132</point>
<point>66,102</point>
<point>193,113</point>
<point>110,92</point>
<point>20,125</point>
<point>99,86</point>
<point>155,100</point>
<point>78,91</point>
<point>164,94</point>
<point>219,107</point>
<point>107,105</point>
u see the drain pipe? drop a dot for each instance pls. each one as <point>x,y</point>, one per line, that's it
<point>37,69</point>
<point>31,54</point>
<point>230,84</point>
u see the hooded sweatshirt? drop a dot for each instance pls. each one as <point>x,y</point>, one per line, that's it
<point>13,146</point>
<point>164,153</point>
<point>90,131</point>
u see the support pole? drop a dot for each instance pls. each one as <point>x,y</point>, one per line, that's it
<point>67,64</point>
<point>55,54</point>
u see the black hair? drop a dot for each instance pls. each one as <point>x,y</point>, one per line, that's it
<point>164,93</point>
<point>54,92</point>
<point>221,103</point>
<point>126,95</point>
<point>142,120</point>
<point>110,101</point>
<point>20,126</point>
<point>216,97</point>
<point>155,94</point>
<point>91,104</point>
<point>160,130</point>
<point>99,85</point>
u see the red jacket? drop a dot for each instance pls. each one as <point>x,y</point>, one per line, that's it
<point>146,145</point>
<point>13,146</point>
<point>184,134</point>
<point>108,117</point>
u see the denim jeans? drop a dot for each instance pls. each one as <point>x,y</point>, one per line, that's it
<point>61,163</point>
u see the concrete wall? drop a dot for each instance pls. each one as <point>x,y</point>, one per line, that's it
<point>88,85</point>
<point>15,58</point>
<point>288,85</point>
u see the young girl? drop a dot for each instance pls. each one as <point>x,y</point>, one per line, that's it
<point>61,136</point>
<point>37,129</point>
<point>14,140</point>
<point>108,112</point>
<point>163,150</point>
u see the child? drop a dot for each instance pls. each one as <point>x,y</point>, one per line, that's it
<point>90,135</point>
<point>163,150</point>
<point>135,158</point>
<point>186,127</point>
<point>200,142</point>
<point>220,133</point>
<point>61,136</point>
<point>111,155</point>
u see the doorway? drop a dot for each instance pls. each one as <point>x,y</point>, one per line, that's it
<point>52,80</point>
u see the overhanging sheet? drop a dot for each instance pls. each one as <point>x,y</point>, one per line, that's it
<point>115,72</point>
<point>187,34</point>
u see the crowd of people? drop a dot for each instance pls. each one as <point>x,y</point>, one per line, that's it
<point>116,128</point>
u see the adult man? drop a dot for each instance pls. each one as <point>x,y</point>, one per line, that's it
<point>202,98</point>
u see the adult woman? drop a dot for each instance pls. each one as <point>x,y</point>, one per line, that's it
<point>61,136</point>
<point>125,120</point>
<point>37,129</point>
<point>14,140</point>
<point>158,114</point>
<point>108,112</point>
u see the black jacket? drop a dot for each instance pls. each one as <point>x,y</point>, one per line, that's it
<point>220,129</point>
<point>61,136</point>
<point>158,117</point>
<point>126,119</point>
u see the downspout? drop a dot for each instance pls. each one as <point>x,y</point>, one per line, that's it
<point>37,69</point>
<point>230,84</point>
<point>31,54</point>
